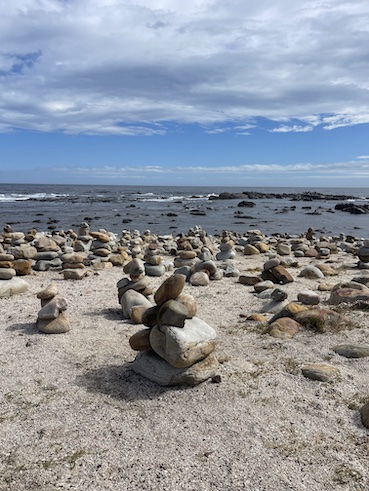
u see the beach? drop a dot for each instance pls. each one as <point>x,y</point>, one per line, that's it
<point>76,416</point>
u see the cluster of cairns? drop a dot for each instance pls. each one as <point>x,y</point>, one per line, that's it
<point>176,347</point>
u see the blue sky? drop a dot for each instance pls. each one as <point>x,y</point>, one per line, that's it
<point>202,92</point>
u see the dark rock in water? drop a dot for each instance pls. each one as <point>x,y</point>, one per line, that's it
<point>353,208</point>
<point>198,212</point>
<point>247,204</point>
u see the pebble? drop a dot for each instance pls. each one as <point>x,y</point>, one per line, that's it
<point>352,350</point>
<point>320,371</point>
<point>279,295</point>
<point>200,278</point>
<point>311,272</point>
<point>364,413</point>
<point>308,297</point>
<point>284,327</point>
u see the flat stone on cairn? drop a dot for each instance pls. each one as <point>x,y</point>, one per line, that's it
<point>51,318</point>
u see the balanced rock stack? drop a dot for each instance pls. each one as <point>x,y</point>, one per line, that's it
<point>133,291</point>
<point>73,266</point>
<point>153,261</point>
<point>227,250</point>
<point>52,319</point>
<point>177,347</point>
<point>9,284</point>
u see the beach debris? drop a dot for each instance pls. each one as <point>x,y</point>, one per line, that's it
<point>51,318</point>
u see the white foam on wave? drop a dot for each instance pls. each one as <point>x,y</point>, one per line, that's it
<point>9,198</point>
<point>163,199</point>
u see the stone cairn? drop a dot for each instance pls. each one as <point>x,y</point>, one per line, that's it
<point>12,265</point>
<point>133,291</point>
<point>51,318</point>
<point>176,348</point>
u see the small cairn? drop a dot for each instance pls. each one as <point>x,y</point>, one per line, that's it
<point>9,284</point>
<point>177,347</point>
<point>153,261</point>
<point>133,291</point>
<point>73,266</point>
<point>52,319</point>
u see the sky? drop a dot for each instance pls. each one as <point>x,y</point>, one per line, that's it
<point>195,92</point>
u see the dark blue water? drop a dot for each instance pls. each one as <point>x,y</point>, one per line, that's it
<point>174,209</point>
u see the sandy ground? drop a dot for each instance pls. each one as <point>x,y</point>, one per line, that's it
<point>75,416</point>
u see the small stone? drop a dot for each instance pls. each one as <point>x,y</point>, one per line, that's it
<point>150,316</point>
<point>279,295</point>
<point>308,297</point>
<point>283,249</point>
<point>285,327</point>
<point>278,274</point>
<point>320,371</point>
<point>7,273</point>
<point>248,279</point>
<point>200,278</point>
<point>137,312</point>
<point>48,292</point>
<point>250,250</point>
<point>140,340</point>
<point>132,298</point>
<point>190,302</point>
<point>55,326</point>
<point>52,307</point>
<point>169,289</point>
<point>271,263</point>
<point>364,413</point>
<point>352,350</point>
<point>154,270</point>
<point>173,313</point>
<point>74,274</point>
<point>311,272</point>
<point>263,285</point>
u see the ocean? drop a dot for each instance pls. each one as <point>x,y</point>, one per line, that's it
<point>174,210</point>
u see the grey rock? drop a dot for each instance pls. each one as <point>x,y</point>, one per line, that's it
<point>182,347</point>
<point>352,350</point>
<point>151,366</point>
<point>13,286</point>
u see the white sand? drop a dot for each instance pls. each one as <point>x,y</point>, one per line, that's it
<point>74,416</point>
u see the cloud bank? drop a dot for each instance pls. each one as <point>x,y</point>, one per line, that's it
<point>133,67</point>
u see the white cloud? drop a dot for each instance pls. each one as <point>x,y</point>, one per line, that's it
<point>355,169</point>
<point>291,129</point>
<point>121,66</point>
